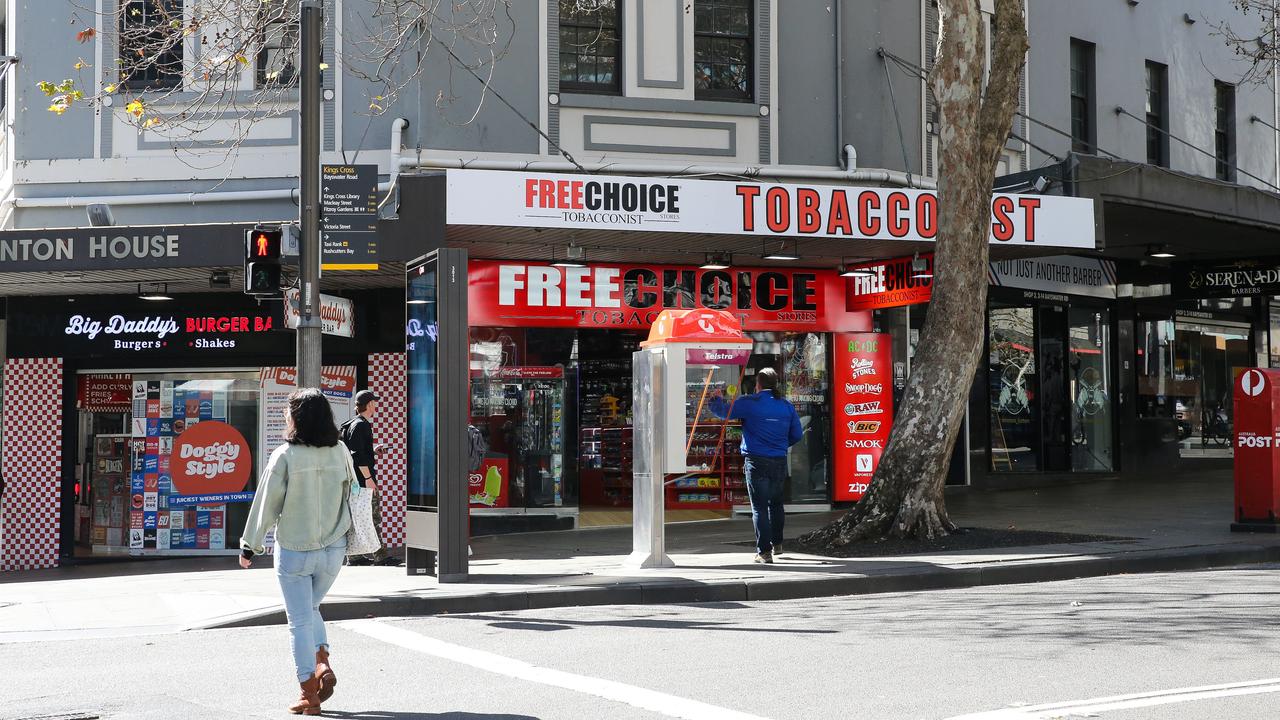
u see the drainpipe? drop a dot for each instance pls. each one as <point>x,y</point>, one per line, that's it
<point>397,151</point>
<point>850,157</point>
<point>1275,96</point>
<point>835,10</point>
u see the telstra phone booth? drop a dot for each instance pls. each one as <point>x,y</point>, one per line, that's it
<point>691,365</point>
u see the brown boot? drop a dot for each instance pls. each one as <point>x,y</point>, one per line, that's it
<point>309,703</point>
<point>325,675</point>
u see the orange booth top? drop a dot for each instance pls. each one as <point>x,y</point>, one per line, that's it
<point>719,326</point>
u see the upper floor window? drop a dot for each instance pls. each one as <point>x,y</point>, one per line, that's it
<point>150,52</point>
<point>1083,138</point>
<point>278,45</point>
<point>590,48</point>
<point>1224,130</point>
<point>722,50</point>
<point>1157,114</point>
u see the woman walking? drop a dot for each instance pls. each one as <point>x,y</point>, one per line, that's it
<point>304,493</point>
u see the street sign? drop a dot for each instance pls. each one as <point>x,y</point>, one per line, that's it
<point>349,217</point>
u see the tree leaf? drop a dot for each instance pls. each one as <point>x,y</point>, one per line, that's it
<point>86,35</point>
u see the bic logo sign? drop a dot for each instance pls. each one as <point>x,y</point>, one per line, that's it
<point>1253,382</point>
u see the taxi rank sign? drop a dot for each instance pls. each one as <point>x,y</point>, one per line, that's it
<point>349,217</point>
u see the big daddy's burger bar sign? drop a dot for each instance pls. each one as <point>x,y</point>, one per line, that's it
<point>515,293</point>
<point>549,200</point>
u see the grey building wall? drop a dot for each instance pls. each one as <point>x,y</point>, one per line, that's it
<point>40,32</point>
<point>1126,37</point>
<point>870,123</point>
<point>807,133</point>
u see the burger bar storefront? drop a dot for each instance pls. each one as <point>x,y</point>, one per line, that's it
<point>567,273</point>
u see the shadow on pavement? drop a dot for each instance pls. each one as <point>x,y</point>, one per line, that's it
<point>393,715</point>
<point>549,625</point>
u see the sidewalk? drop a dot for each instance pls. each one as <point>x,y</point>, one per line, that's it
<point>1174,524</point>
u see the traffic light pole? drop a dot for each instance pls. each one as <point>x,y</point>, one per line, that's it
<point>311,19</point>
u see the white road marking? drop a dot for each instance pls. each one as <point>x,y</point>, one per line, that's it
<point>1089,708</point>
<point>658,702</point>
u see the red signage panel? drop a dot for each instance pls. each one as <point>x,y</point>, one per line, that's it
<point>862,410</point>
<point>889,283</point>
<point>105,392</point>
<point>523,294</point>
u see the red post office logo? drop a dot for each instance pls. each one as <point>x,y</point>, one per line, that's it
<point>210,458</point>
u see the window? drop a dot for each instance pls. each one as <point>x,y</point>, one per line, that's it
<point>590,49</point>
<point>278,43</point>
<point>1157,114</point>
<point>1082,105</point>
<point>1224,130</point>
<point>722,47</point>
<point>150,52</point>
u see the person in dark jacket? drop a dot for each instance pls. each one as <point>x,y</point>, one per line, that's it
<point>770,426</point>
<point>357,435</point>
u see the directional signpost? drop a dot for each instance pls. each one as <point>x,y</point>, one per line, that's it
<point>349,217</point>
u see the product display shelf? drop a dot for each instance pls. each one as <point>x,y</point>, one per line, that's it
<point>716,487</point>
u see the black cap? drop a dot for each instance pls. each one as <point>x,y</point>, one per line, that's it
<point>364,396</point>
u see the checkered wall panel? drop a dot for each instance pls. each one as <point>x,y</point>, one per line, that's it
<point>32,456</point>
<point>387,378</point>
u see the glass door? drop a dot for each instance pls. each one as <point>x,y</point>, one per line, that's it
<point>1014,392</point>
<point>1205,358</point>
<point>1090,378</point>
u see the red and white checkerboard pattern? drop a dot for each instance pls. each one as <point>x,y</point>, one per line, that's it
<point>32,426</point>
<point>387,379</point>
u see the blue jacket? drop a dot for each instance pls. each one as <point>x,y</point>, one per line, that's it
<point>770,424</point>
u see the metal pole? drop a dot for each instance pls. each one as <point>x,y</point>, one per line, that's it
<point>311,19</point>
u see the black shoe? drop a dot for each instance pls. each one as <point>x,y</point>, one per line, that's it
<point>777,549</point>
<point>390,561</point>
<point>361,561</point>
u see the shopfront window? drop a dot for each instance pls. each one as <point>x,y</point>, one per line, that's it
<point>153,487</point>
<point>1015,411</point>
<point>421,331</point>
<point>1090,382</point>
<point>1156,385</point>
<point>1206,355</point>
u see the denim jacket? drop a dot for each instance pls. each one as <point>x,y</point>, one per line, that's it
<point>304,493</point>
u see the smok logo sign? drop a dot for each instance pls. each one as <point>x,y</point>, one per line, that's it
<point>864,444</point>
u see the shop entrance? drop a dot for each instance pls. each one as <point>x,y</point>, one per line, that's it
<point>1205,355</point>
<point>1050,380</point>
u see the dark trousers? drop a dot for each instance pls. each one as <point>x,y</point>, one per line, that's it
<point>765,476</point>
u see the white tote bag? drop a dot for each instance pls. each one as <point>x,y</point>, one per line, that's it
<point>362,538</point>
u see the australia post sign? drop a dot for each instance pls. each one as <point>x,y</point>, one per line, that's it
<point>862,410</point>
<point>527,294</point>
<point>651,204</point>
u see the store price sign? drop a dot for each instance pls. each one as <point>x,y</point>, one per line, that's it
<point>863,410</point>
<point>349,217</point>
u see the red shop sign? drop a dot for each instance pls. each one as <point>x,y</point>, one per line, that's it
<point>889,283</point>
<point>109,392</point>
<point>523,294</point>
<point>862,411</point>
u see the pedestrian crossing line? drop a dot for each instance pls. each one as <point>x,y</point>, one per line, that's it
<point>669,705</point>
<point>1089,708</point>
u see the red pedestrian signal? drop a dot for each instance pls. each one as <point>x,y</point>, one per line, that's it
<point>262,249</point>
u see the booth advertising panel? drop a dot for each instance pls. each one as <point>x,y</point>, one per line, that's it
<point>862,410</point>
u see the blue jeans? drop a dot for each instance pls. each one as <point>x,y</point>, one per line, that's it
<point>305,576</point>
<point>765,476</point>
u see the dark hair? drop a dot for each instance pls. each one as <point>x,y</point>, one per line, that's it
<point>767,379</point>
<point>309,420</point>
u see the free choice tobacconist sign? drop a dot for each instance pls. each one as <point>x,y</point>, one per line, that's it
<point>599,202</point>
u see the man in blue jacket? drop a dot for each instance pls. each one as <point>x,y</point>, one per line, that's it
<point>770,426</point>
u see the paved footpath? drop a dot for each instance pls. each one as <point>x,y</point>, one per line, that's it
<point>1173,524</point>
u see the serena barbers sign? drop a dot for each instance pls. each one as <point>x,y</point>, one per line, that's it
<point>1240,279</point>
<point>101,248</point>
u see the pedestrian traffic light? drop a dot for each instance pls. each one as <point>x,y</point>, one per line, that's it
<point>262,247</point>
